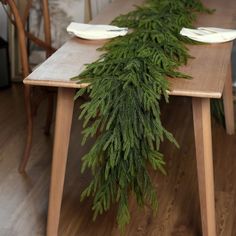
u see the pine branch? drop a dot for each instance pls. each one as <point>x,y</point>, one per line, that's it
<point>127,84</point>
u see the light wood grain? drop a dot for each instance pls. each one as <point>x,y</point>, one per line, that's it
<point>228,104</point>
<point>203,145</point>
<point>208,69</point>
<point>65,105</point>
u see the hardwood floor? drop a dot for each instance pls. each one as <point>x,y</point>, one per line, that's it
<point>24,198</point>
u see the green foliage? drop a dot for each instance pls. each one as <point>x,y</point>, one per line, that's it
<point>126,85</point>
<point>217,110</point>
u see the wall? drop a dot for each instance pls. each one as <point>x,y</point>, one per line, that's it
<point>97,5</point>
<point>3,23</point>
<point>62,13</point>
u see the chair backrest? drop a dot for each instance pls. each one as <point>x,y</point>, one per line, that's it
<point>20,21</point>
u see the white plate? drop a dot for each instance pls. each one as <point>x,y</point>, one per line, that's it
<point>96,32</point>
<point>212,39</point>
<point>209,34</point>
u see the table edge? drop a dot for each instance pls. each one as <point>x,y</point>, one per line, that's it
<point>74,85</point>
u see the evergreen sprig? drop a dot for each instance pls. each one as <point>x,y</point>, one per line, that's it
<point>127,84</point>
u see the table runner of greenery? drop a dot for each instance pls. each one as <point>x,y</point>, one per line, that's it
<point>126,85</point>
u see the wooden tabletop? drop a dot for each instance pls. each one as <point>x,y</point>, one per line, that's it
<point>208,69</point>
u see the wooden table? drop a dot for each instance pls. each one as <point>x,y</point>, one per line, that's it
<point>211,71</point>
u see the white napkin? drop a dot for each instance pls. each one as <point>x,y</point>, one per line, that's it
<point>93,32</point>
<point>209,34</point>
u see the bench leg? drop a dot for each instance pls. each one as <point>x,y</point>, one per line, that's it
<point>229,104</point>
<point>64,113</point>
<point>203,144</point>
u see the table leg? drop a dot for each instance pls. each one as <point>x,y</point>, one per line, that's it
<point>203,143</point>
<point>64,113</point>
<point>229,103</point>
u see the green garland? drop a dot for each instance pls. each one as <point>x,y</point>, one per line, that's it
<point>127,84</point>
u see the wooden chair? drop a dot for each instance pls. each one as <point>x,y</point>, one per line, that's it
<point>20,24</point>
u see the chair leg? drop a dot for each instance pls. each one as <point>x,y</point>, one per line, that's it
<point>49,113</point>
<point>27,94</point>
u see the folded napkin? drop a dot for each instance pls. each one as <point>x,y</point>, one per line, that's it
<point>93,32</point>
<point>209,34</point>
